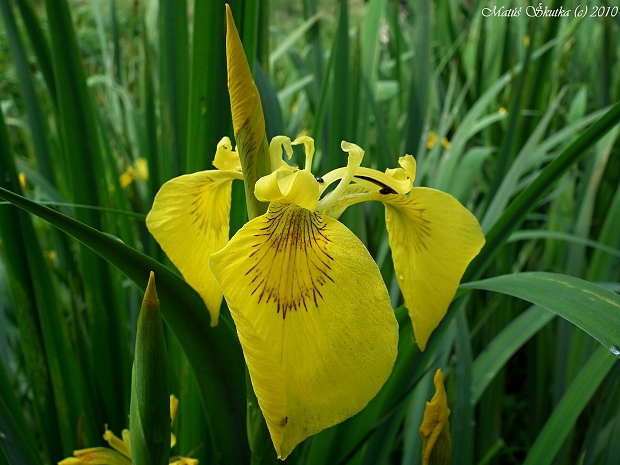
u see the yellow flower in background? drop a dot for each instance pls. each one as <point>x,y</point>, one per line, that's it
<point>120,454</point>
<point>22,180</point>
<point>435,429</point>
<point>431,140</point>
<point>138,171</point>
<point>312,312</point>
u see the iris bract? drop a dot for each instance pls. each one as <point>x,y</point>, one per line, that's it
<point>311,309</point>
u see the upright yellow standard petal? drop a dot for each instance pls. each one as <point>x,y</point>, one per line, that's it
<point>243,92</point>
<point>247,116</point>
<point>313,316</point>
<point>435,428</point>
<point>433,238</point>
<point>190,220</point>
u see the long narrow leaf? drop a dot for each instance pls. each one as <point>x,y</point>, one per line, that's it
<point>588,306</point>
<point>16,442</point>
<point>565,415</point>
<point>214,353</point>
<point>85,165</point>
<point>504,345</point>
<point>528,199</point>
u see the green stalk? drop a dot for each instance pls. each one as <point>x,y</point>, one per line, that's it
<point>17,444</point>
<point>249,36</point>
<point>209,106</point>
<point>50,363</point>
<point>339,115</point>
<point>35,120</point>
<point>418,94</point>
<point>39,45</point>
<point>79,132</point>
<point>174,81</point>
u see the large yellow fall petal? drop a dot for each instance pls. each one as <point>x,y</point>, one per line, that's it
<point>313,316</point>
<point>433,238</point>
<point>190,220</point>
<point>435,428</point>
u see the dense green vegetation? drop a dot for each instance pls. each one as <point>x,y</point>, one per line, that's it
<point>517,117</point>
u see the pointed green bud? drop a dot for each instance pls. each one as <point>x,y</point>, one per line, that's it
<point>149,418</point>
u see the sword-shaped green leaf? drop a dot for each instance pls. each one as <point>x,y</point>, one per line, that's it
<point>214,353</point>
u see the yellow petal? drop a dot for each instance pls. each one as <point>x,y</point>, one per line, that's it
<point>142,169</point>
<point>408,164</point>
<point>354,193</point>
<point>174,406</point>
<point>433,238</point>
<point>96,456</point>
<point>435,428</point>
<point>190,219</point>
<point>371,185</point>
<point>275,151</point>
<point>396,181</point>
<point>225,157</point>
<point>127,441</point>
<point>127,177</point>
<point>243,92</point>
<point>431,139</point>
<point>116,443</point>
<point>313,316</point>
<point>309,147</point>
<point>354,161</point>
<point>22,181</point>
<point>176,460</point>
<point>182,461</point>
<point>247,116</point>
<point>289,185</point>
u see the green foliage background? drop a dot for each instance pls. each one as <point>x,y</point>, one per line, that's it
<point>529,108</point>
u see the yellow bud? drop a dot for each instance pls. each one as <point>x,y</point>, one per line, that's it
<point>435,428</point>
<point>22,181</point>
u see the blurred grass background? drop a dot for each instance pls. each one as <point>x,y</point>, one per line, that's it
<point>104,100</point>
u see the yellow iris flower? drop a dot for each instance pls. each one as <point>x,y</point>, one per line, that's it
<point>120,454</point>
<point>311,309</point>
